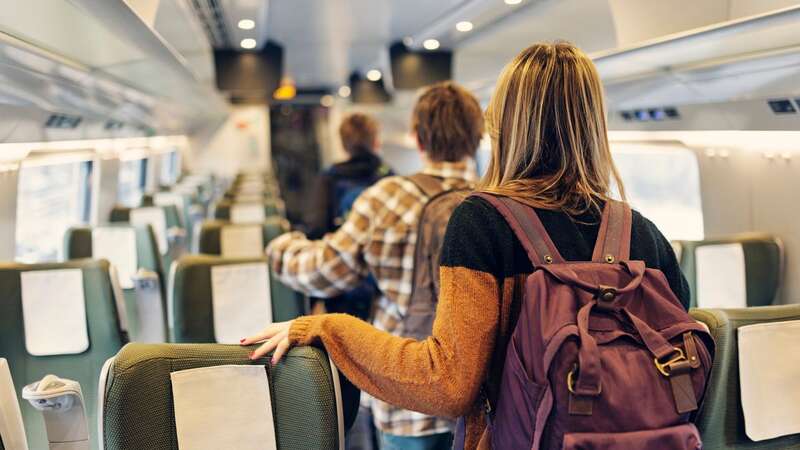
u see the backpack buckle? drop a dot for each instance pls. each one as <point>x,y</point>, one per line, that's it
<point>677,356</point>
<point>571,384</point>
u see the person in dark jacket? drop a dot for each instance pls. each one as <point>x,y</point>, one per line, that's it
<point>339,185</point>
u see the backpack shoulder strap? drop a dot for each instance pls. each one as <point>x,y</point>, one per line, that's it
<point>614,237</point>
<point>527,227</point>
<point>428,184</point>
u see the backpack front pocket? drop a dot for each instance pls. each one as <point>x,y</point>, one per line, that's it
<point>681,437</point>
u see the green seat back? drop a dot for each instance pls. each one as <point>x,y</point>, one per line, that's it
<point>211,230</point>
<point>272,208</point>
<point>123,214</point>
<point>721,422</point>
<point>105,339</point>
<point>190,303</point>
<point>307,404</point>
<point>763,257</point>
<point>78,244</point>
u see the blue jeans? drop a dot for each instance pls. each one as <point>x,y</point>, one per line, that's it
<point>443,441</point>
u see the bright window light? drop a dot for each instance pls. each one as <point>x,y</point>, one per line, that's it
<point>430,44</point>
<point>50,199</point>
<point>464,26</point>
<point>248,43</point>
<point>374,75</point>
<point>663,183</point>
<point>344,91</point>
<point>247,24</point>
<point>513,2</point>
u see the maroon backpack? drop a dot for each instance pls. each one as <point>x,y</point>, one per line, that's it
<point>603,355</point>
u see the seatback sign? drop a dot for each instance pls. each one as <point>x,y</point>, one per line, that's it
<point>54,312</point>
<point>223,407</point>
<point>241,300</point>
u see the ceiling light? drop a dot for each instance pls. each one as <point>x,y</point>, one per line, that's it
<point>247,24</point>
<point>464,26</point>
<point>374,75</point>
<point>286,90</point>
<point>408,41</point>
<point>248,43</point>
<point>430,44</point>
<point>513,2</point>
<point>344,91</point>
<point>326,101</point>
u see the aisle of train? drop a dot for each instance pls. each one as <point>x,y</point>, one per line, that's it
<point>187,266</point>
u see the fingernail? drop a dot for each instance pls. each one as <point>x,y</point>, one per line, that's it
<point>241,341</point>
<point>250,355</point>
<point>273,361</point>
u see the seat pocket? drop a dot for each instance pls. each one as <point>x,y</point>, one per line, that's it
<point>680,437</point>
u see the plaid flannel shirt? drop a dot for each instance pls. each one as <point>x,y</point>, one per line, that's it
<point>378,238</point>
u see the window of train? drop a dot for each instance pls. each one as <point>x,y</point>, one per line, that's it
<point>50,199</point>
<point>132,178</point>
<point>663,183</point>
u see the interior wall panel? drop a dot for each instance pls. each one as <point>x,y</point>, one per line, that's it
<point>8,212</point>
<point>106,183</point>
<point>776,183</point>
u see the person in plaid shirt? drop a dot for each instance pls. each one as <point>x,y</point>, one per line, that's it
<point>379,237</point>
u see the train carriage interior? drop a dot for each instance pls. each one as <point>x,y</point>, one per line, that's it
<point>150,150</point>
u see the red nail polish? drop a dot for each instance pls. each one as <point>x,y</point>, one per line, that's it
<point>241,341</point>
<point>250,355</point>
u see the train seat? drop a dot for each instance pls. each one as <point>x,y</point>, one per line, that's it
<point>134,252</point>
<point>248,212</point>
<point>216,299</point>
<point>722,421</point>
<point>239,240</point>
<point>733,272</point>
<point>12,429</point>
<point>165,220</point>
<point>58,318</point>
<point>141,403</point>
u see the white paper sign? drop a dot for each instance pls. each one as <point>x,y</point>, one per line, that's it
<point>721,277</point>
<point>118,246</point>
<point>54,312</point>
<point>223,407</point>
<point>247,213</point>
<point>241,241</point>
<point>241,300</point>
<point>155,217</point>
<point>169,198</point>
<point>769,378</point>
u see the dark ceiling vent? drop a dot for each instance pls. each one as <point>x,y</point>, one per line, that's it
<point>213,19</point>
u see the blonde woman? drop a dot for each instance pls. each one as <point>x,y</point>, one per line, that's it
<point>550,150</point>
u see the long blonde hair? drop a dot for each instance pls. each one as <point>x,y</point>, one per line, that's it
<point>547,125</point>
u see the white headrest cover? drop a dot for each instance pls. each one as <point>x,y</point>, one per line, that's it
<point>769,379</point>
<point>223,407</point>
<point>12,430</point>
<point>247,213</point>
<point>118,246</point>
<point>721,276</point>
<point>241,241</point>
<point>54,312</point>
<point>155,217</point>
<point>241,300</point>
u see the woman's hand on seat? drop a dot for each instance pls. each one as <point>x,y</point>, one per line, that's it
<point>274,337</point>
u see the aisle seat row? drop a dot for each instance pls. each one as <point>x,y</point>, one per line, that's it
<point>146,389</point>
<point>218,296</point>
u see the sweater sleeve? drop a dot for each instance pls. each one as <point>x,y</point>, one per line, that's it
<point>440,375</point>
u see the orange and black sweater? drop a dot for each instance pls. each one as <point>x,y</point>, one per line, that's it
<point>483,268</point>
